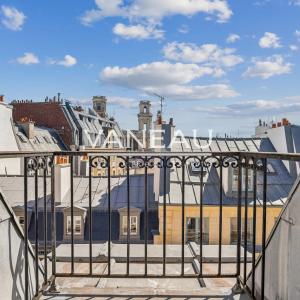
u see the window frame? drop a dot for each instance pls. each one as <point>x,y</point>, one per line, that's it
<point>68,225</point>
<point>124,225</point>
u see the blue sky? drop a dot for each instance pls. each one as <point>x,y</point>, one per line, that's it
<point>221,65</point>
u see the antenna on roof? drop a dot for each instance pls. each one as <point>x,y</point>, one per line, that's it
<point>162,99</point>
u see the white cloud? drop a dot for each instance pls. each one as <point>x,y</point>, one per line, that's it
<point>28,59</point>
<point>294,47</point>
<point>156,10</point>
<point>295,2</point>
<point>232,38</point>
<point>270,40</point>
<point>139,31</point>
<point>68,61</point>
<point>123,102</point>
<point>271,66</point>
<point>184,29</point>
<point>12,18</point>
<point>208,54</point>
<point>171,80</point>
<point>254,108</point>
<point>297,34</point>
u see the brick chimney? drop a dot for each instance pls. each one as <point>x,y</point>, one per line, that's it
<point>28,127</point>
<point>1,98</point>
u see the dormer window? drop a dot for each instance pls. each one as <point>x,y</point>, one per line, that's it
<point>195,169</point>
<point>78,222</point>
<point>235,178</point>
<point>134,223</point>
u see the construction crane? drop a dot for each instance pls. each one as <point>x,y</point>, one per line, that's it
<point>162,99</point>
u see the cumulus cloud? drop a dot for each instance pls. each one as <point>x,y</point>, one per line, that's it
<point>271,66</point>
<point>28,58</point>
<point>232,38</point>
<point>171,80</point>
<point>207,54</point>
<point>12,18</point>
<point>295,2</point>
<point>156,10</point>
<point>270,40</point>
<point>184,29</point>
<point>123,102</point>
<point>68,61</point>
<point>294,47</point>
<point>254,108</point>
<point>139,31</point>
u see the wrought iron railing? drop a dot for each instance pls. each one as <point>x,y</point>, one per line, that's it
<point>41,166</point>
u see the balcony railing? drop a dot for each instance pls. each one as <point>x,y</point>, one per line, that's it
<point>41,167</point>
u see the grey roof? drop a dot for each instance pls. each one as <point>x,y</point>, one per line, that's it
<point>199,144</point>
<point>45,139</point>
<point>90,124</point>
<point>279,183</point>
<point>13,189</point>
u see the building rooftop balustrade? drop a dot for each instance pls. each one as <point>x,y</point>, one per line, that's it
<point>169,224</point>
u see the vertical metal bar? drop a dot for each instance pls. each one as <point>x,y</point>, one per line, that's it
<point>264,225</point>
<point>45,223</point>
<point>26,227</point>
<point>239,217</point>
<point>165,216</point>
<point>246,222</point>
<point>36,222</point>
<point>146,217</point>
<point>128,216</point>
<point>109,215</point>
<point>201,218</point>
<point>53,218</point>
<point>90,218</point>
<point>182,215</point>
<point>72,213</point>
<point>220,217</point>
<point>254,227</point>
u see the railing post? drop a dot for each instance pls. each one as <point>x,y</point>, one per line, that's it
<point>164,215</point>
<point>45,222</point>
<point>220,217</point>
<point>237,289</point>
<point>53,288</point>
<point>26,227</point>
<point>264,225</point>
<point>182,215</point>
<point>254,228</point>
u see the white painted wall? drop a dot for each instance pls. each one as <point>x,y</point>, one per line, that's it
<point>282,280</point>
<point>8,142</point>
<point>12,263</point>
<point>62,183</point>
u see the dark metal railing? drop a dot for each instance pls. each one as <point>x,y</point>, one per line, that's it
<point>163,162</point>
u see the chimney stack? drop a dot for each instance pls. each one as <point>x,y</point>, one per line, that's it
<point>28,127</point>
<point>1,98</point>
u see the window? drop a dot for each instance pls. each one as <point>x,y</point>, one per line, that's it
<point>193,230</point>
<point>54,140</point>
<point>21,138</point>
<point>270,169</point>
<point>235,178</point>
<point>47,140</point>
<point>22,221</point>
<point>77,225</point>
<point>195,168</point>
<point>133,225</point>
<point>234,230</point>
